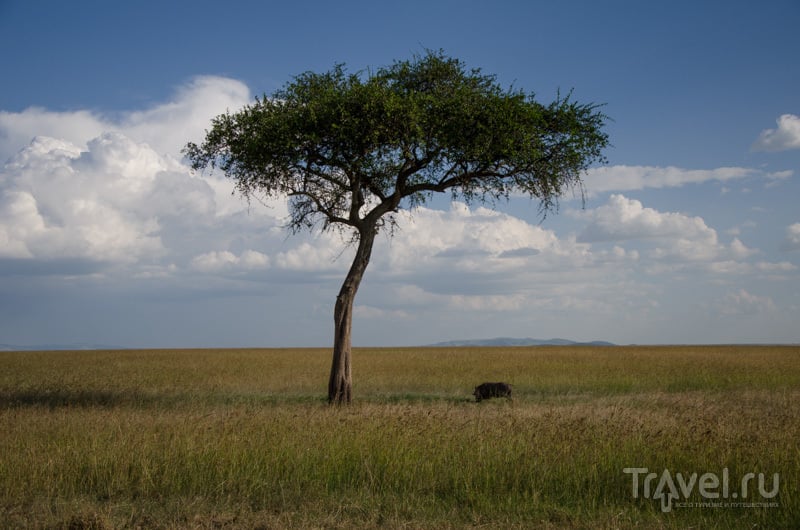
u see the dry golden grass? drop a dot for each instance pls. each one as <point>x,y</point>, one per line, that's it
<point>244,439</point>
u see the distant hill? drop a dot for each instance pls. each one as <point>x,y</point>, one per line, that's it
<point>50,347</point>
<point>507,341</point>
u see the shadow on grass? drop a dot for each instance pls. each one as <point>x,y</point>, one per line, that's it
<point>410,397</point>
<point>59,398</point>
<point>54,398</point>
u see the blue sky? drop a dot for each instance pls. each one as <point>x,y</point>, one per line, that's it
<point>690,234</point>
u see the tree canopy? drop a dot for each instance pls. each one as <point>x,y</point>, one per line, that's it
<point>349,149</point>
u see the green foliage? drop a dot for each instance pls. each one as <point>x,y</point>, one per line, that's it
<point>351,149</point>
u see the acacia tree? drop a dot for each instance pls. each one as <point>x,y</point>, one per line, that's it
<point>350,150</point>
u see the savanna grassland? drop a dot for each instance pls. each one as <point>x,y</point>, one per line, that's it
<point>245,439</point>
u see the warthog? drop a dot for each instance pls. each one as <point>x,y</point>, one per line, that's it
<point>491,390</point>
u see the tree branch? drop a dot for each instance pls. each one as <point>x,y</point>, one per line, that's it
<point>328,212</point>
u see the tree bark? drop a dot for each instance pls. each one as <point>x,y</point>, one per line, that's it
<point>340,384</point>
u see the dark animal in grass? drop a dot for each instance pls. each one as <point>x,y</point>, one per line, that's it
<point>492,390</point>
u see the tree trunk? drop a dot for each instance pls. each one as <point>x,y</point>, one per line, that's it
<point>340,385</point>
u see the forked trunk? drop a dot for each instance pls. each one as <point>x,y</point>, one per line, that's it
<point>340,385</point>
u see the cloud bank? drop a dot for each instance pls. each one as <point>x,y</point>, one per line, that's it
<point>165,128</point>
<point>114,191</point>
<point>98,198</point>
<point>111,191</point>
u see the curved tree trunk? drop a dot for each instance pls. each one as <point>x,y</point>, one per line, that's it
<point>340,385</point>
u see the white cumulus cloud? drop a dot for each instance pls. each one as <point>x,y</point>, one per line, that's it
<point>464,239</point>
<point>476,260</point>
<point>677,236</point>
<point>785,137</point>
<point>165,127</point>
<point>216,261</point>
<point>168,127</point>
<point>742,302</point>
<point>627,178</point>
<point>60,202</point>
<point>17,129</point>
<point>324,252</point>
<point>623,218</point>
<point>792,240</point>
<point>80,185</point>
